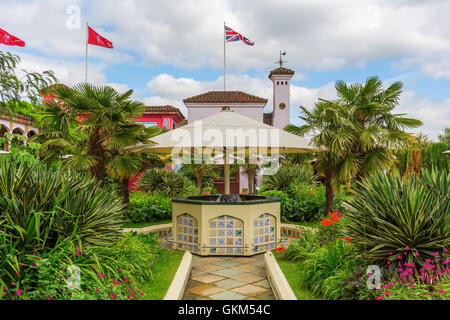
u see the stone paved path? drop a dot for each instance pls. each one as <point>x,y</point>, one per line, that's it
<point>228,278</point>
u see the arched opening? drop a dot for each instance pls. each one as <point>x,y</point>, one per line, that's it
<point>264,236</point>
<point>31,133</point>
<point>226,235</point>
<point>3,131</point>
<point>15,140</point>
<point>187,232</point>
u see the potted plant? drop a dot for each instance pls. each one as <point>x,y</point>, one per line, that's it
<point>244,191</point>
<point>206,191</point>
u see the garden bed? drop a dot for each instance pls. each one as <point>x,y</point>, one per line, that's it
<point>292,271</point>
<point>162,274</point>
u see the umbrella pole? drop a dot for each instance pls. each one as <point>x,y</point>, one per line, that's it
<point>226,174</point>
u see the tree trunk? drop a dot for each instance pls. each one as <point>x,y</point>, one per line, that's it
<point>96,149</point>
<point>124,183</point>
<point>199,179</point>
<point>329,193</point>
<point>251,178</point>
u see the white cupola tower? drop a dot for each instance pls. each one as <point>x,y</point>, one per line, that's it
<point>281,78</point>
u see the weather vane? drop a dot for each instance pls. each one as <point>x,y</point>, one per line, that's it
<point>281,61</point>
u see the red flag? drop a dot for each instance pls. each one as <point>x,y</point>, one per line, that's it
<point>98,40</point>
<point>10,40</point>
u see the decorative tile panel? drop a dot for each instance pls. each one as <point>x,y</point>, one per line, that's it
<point>187,233</point>
<point>226,235</point>
<point>264,233</point>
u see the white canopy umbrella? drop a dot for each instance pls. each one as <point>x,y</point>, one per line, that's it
<point>228,133</point>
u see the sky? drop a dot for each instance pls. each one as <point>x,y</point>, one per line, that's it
<point>168,50</point>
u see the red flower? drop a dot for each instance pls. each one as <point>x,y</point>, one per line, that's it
<point>280,249</point>
<point>325,222</point>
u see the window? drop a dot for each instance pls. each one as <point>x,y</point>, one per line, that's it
<point>166,123</point>
<point>149,124</point>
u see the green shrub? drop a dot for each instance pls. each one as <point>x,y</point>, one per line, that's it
<point>109,272</point>
<point>328,266</point>
<point>166,182</point>
<point>41,207</point>
<point>285,176</point>
<point>299,250</point>
<point>391,216</point>
<point>433,157</point>
<point>149,207</point>
<point>301,202</point>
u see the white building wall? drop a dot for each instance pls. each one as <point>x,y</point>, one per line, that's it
<point>199,111</point>
<point>281,94</point>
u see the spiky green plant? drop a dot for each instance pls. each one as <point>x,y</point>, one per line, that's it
<point>167,182</point>
<point>391,216</point>
<point>41,207</point>
<point>285,176</point>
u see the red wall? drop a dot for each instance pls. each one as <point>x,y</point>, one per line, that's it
<point>159,119</point>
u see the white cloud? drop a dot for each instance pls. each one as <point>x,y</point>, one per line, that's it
<point>67,71</point>
<point>167,89</point>
<point>318,35</point>
<point>434,115</point>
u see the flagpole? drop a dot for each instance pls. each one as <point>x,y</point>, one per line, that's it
<point>224,55</point>
<point>87,36</point>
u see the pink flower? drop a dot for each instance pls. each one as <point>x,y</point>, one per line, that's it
<point>18,291</point>
<point>78,252</point>
<point>98,290</point>
<point>442,291</point>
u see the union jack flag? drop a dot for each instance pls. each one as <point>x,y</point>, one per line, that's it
<point>231,35</point>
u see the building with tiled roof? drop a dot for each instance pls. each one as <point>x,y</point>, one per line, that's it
<point>281,71</point>
<point>227,97</point>
<point>247,104</point>
<point>167,116</point>
<point>208,103</point>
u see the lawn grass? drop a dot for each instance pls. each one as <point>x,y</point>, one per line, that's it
<point>162,273</point>
<point>292,272</point>
<point>144,224</point>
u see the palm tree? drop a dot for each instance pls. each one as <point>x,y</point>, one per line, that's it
<point>200,172</point>
<point>125,164</point>
<point>93,123</point>
<point>250,169</point>
<point>359,130</point>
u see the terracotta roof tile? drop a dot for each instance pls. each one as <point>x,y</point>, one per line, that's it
<point>166,108</point>
<point>225,97</point>
<point>282,71</point>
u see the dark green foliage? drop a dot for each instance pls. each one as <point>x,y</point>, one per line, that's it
<point>433,157</point>
<point>390,214</point>
<point>108,272</point>
<point>303,202</point>
<point>166,182</point>
<point>148,207</point>
<point>42,207</point>
<point>285,176</point>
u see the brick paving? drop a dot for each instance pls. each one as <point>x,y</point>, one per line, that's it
<point>228,278</point>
